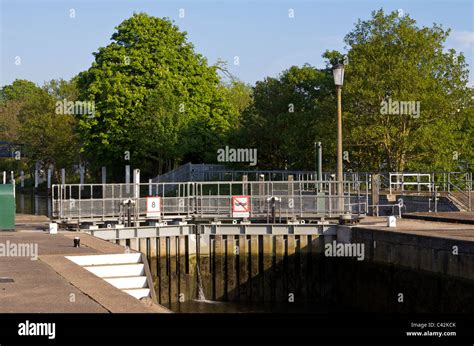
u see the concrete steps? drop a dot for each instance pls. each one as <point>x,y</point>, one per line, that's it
<point>460,200</point>
<point>116,270</point>
<point>94,260</point>
<point>130,282</point>
<point>138,293</point>
<point>124,271</point>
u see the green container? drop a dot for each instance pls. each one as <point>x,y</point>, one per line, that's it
<point>7,207</point>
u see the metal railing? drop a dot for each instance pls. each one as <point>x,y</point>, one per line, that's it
<point>299,198</point>
<point>398,206</point>
<point>292,199</point>
<point>457,186</point>
<point>416,180</point>
<point>216,172</point>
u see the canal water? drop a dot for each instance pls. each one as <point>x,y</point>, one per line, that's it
<point>195,306</point>
<point>364,288</point>
<point>337,285</point>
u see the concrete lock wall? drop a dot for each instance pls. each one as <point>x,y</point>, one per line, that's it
<point>405,273</point>
<point>293,268</point>
<point>237,268</point>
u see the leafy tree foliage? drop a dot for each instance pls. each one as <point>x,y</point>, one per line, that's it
<point>287,115</point>
<point>238,94</point>
<point>159,100</point>
<point>391,59</point>
<point>155,97</point>
<point>28,117</point>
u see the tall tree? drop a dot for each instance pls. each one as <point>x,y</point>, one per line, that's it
<point>392,60</point>
<point>29,118</point>
<point>287,115</point>
<point>150,58</point>
<point>238,94</point>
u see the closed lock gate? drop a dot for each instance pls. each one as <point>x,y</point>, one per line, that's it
<point>133,202</point>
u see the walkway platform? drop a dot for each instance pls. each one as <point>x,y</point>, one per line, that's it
<point>443,248</point>
<point>466,217</point>
<point>52,283</point>
<point>439,229</point>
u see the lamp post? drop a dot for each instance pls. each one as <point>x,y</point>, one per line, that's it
<point>338,73</point>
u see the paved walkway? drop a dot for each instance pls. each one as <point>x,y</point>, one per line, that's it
<point>466,217</point>
<point>438,229</point>
<point>47,282</point>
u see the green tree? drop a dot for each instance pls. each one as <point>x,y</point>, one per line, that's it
<point>61,89</point>
<point>32,98</point>
<point>149,58</point>
<point>29,118</point>
<point>9,123</point>
<point>391,59</point>
<point>287,115</point>
<point>160,131</point>
<point>238,94</point>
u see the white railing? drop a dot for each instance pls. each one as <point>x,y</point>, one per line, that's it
<point>419,180</point>
<point>205,199</point>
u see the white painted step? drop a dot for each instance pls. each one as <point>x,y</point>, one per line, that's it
<point>90,260</point>
<point>110,271</point>
<point>128,282</point>
<point>123,271</point>
<point>138,293</point>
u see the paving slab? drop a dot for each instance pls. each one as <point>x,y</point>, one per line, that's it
<point>42,280</point>
<point>466,217</point>
<point>36,287</point>
<point>446,230</point>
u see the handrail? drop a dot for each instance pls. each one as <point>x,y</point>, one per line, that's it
<point>101,198</point>
<point>466,194</point>
<point>301,198</point>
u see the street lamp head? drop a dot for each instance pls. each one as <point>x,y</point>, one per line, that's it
<point>338,72</point>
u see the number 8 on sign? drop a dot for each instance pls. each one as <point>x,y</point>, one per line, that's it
<point>153,206</point>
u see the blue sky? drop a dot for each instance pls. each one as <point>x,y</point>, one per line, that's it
<point>51,44</point>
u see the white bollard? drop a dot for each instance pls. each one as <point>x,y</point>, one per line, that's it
<point>391,221</point>
<point>53,228</point>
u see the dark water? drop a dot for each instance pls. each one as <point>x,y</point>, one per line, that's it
<point>33,204</point>
<point>195,306</point>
